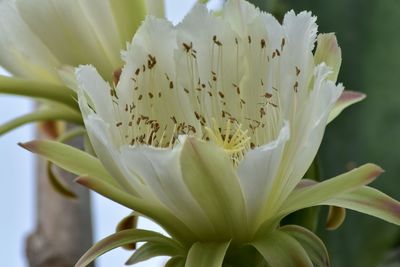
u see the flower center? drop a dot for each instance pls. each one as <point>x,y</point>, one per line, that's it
<point>233,139</point>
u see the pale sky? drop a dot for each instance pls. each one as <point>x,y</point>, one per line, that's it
<point>17,201</point>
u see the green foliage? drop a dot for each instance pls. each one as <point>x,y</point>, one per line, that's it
<point>367,32</point>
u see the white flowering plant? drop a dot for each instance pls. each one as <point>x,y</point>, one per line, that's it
<point>209,130</point>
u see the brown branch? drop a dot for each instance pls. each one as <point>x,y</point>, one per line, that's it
<point>63,232</point>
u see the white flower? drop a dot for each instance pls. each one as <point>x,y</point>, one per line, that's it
<point>40,37</point>
<point>209,132</point>
<point>242,83</point>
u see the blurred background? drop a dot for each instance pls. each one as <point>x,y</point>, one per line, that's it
<point>368,32</point>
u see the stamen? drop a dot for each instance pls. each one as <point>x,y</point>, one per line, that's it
<point>233,140</point>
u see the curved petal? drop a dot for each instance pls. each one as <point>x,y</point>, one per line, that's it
<point>257,172</point>
<point>209,175</point>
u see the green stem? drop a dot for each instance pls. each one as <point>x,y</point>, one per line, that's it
<point>37,89</point>
<point>46,114</point>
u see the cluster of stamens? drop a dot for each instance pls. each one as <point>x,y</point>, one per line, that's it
<point>152,118</point>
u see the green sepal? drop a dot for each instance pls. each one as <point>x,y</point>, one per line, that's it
<point>119,239</point>
<point>370,201</point>
<point>207,254</point>
<point>154,249</point>
<point>310,193</point>
<point>69,158</point>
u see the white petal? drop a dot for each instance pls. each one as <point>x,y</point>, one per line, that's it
<point>160,170</point>
<point>258,170</point>
<point>307,130</point>
<point>240,14</point>
<point>22,53</point>
<point>101,140</point>
<point>297,62</point>
<point>301,32</point>
<point>212,65</point>
<point>91,83</point>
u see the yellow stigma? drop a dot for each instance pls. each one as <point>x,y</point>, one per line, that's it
<point>232,139</point>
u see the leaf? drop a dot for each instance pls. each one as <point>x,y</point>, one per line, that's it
<point>46,114</point>
<point>313,194</point>
<point>369,201</point>
<point>38,89</point>
<point>347,99</point>
<point>280,249</point>
<point>154,249</point>
<point>207,254</point>
<point>312,244</point>
<point>336,217</point>
<point>117,240</point>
